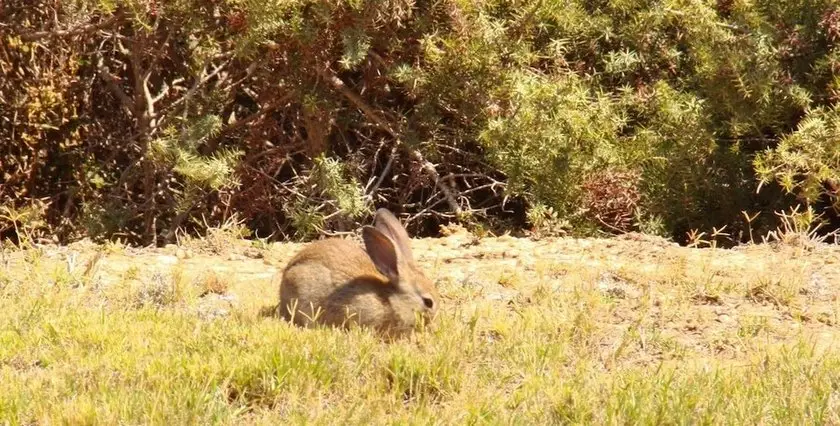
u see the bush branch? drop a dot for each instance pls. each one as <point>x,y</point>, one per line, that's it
<point>372,115</point>
<point>84,29</point>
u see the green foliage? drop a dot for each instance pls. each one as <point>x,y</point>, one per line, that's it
<point>356,45</point>
<point>267,19</point>
<point>559,132</point>
<point>330,194</point>
<point>703,101</point>
<point>806,158</point>
<point>329,173</point>
<point>27,222</point>
<point>179,150</point>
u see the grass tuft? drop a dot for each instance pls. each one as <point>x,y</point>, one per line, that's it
<point>688,337</point>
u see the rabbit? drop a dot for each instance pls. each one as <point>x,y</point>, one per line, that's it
<point>379,286</point>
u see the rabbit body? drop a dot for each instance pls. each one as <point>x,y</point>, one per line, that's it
<point>337,282</point>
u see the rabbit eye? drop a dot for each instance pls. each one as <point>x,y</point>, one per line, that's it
<point>428,302</point>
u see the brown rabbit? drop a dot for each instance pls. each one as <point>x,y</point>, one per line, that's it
<point>379,286</point>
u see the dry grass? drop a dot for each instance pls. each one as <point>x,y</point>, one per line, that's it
<point>628,330</point>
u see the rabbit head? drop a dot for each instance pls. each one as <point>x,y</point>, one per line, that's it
<point>379,285</point>
<point>389,248</point>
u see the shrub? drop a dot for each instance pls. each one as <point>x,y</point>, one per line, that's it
<point>134,120</point>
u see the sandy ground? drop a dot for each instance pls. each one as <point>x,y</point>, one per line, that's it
<point>704,299</point>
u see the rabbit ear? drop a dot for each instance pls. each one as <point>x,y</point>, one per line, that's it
<point>389,225</point>
<point>382,252</point>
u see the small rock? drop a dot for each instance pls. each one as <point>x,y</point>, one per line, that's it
<point>236,257</point>
<point>253,253</point>
<point>817,287</point>
<point>167,259</point>
<point>213,313</point>
<point>723,318</point>
<point>228,297</point>
<point>501,295</point>
<point>616,287</point>
<point>616,292</point>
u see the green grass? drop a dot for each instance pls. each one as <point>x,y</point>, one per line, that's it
<point>73,352</point>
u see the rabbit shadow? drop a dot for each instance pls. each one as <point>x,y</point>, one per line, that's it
<point>349,295</point>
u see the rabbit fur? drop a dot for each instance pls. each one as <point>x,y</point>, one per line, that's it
<point>379,286</point>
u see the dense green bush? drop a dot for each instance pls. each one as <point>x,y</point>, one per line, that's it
<point>135,119</point>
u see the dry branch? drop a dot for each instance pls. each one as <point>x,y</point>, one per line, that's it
<point>84,29</point>
<point>269,108</point>
<point>369,111</point>
<point>113,85</point>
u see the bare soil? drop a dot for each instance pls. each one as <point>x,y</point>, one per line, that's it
<point>701,299</point>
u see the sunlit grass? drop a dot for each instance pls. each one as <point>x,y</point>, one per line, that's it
<point>75,351</point>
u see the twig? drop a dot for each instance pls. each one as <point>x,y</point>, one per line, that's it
<point>88,28</point>
<point>373,160</point>
<point>249,72</point>
<point>492,186</point>
<point>357,100</point>
<point>429,168</point>
<point>385,171</point>
<point>272,106</point>
<point>140,90</point>
<point>150,100</point>
<point>144,107</point>
<point>277,182</point>
<point>113,85</point>
<point>428,212</point>
<point>196,85</point>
